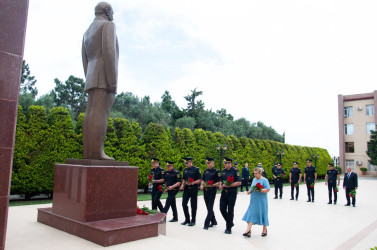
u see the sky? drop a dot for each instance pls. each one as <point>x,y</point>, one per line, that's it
<point>282,62</point>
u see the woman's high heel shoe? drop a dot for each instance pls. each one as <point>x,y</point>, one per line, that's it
<point>248,234</point>
<point>264,234</point>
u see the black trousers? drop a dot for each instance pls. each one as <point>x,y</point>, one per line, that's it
<point>192,195</point>
<point>348,190</point>
<point>245,183</point>
<point>293,183</point>
<point>310,190</point>
<point>156,203</point>
<point>278,187</point>
<point>332,187</point>
<point>170,201</point>
<point>227,202</point>
<point>209,199</point>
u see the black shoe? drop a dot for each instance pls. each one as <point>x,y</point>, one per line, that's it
<point>264,234</point>
<point>354,205</point>
<point>212,224</point>
<point>281,197</point>
<point>191,224</point>
<point>227,231</point>
<point>312,200</point>
<point>248,234</point>
<point>173,220</point>
<point>334,202</point>
<point>275,197</point>
<point>296,199</point>
<point>205,228</point>
<point>291,199</point>
<point>329,202</point>
<point>308,200</point>
<point>347,205</point>
<point>185,222</point>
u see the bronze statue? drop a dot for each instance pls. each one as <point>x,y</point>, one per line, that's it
<point>100,55</point>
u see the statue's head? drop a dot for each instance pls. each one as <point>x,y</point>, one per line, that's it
<point>104,8</point>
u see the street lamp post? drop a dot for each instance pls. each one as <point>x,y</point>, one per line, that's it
<point>280,155</point>
<point>336,161</point>
<point>221,153</point>
<point>315,157</point>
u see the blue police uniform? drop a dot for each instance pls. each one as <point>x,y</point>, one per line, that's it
<point>294,182</point>
<point>332,176</point>
<point>228,197</point>
<point>309,179</point>
<point>171,178</point>
<point>279,182</point>
<point>190,193</point>
<point>210,194</point>
<point>158,174</point>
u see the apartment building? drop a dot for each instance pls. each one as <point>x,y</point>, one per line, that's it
<point>356,119</point>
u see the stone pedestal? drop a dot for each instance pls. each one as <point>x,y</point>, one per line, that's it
<point>98,203</point>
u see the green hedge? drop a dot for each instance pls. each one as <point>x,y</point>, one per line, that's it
<point>43,140</point>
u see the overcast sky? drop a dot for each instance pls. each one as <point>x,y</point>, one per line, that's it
<point>280,62</point>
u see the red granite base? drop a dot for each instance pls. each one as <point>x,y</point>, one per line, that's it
<point>107,232</point>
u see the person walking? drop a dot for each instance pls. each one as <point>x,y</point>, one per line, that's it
<point>172,182</point>
<point>350,185</point>
<point>310,178</point>
<point>332,180</point>
<point>295,179</point>
<point>158,178</point>
<point>245,177</point>
<point>257,212</point>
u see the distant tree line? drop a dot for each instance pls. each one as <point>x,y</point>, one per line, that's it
<point>45,139</point>
<point>70,94</point>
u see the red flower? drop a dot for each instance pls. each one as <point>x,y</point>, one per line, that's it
<point>160,188</point>
<point>231,179</point>
<point>190,180</point>
<point>283,174</point>
<point>210,182</point>
<point>260,186</point>
<point>150,177</point>
<point>143,212</point>
<point>138,210</point>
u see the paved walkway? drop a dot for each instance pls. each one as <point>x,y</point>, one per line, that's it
<point>293,225</point>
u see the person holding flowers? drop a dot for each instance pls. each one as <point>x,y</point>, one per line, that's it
<point>257,212</point>
<point>279,181</point>
<point>331,179</point>
<point>229,181</point>
<point>350,185</point>
<point>156,178</point>
<point>191,178</point>
<point>310,178</point>
<point>172,183</point>
<point>210,181</point>
<point>294,179</point>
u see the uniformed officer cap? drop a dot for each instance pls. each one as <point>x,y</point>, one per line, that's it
<point>279,164</point>
<point>295,162</point>
<point>188,158</point>
<point>331,165</point>
<point>236,163</point>
<point>308,160</point>
<point>155,160</point>
<point>168,163</point>
<point>227,160</point>
<point>210,159</point>
<point>275,163</point>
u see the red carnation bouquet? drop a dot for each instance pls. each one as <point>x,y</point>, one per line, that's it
<point>162,188</point>
<point>280,176</point>
<point>150,178</point>
<point>257,187</point>
<point>352,193</point>
<point>312,185</point>
<point>209,183</point>
<point>229,180</point>
<point>145,211</point>
<point>336,189</point>
<point>190,180</point>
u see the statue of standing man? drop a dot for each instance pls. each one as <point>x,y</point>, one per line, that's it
<point>100,55</point>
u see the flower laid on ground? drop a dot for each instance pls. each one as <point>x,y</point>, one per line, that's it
<point>208,183</point>
<point>352,193</point>
<point>190,180</point>
<point>145,211</point>
<point>312,185</point>
<point>229,180</point>
<point>257,187</point>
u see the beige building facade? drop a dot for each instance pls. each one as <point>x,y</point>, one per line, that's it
<point>357,118</point>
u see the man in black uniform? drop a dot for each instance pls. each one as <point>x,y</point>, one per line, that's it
<point>264,171</point>
<point>191,179</point>
<point>158,179</point>
<point>172,182</point>
<point>245,177</point>
<point>230,180</point>
<point>295,179</point>
<point>350,183</point>
<point>330,180</point>
<point>310,178</point>
<point>279,173</point>
<point>274,174</point>
<point>210,182</point>
<point>236,165</point>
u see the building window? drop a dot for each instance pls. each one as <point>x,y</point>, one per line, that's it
<point>370,126</point>
<point>348,111</point>
<point>348,129</point>
<point>350,147</point>
<point>351,164</point>
<point>369,109</point>
<point>371,167</point>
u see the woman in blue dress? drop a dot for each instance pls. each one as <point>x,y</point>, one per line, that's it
<point>257,213</point>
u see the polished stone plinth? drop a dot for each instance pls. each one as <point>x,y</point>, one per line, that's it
<point>98,203</point>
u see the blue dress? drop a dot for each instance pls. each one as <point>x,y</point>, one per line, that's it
<point>257,213</point>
